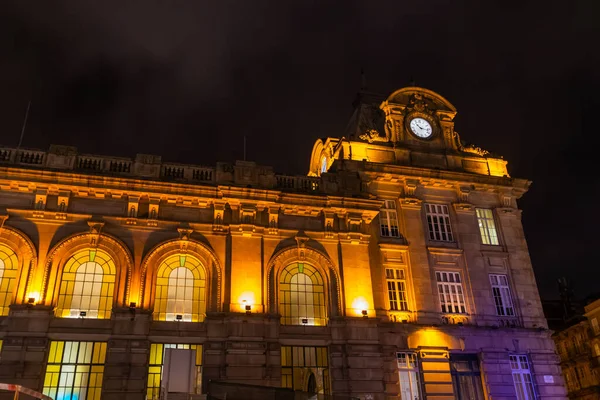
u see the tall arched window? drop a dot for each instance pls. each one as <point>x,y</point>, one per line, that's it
<point>87,285</point>
<point>8,277</point>
<point>302,296</point>
<point>180,290</point>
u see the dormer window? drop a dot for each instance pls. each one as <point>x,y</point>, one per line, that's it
<point>324,165</point>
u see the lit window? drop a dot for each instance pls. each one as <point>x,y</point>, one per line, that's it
<point>487,227</point>
<point>438,222</point>
<point>75,370</point>
<point>87,285</point>
<point>466,376</point>
<point>595,326</point>
<point>324,165</point>
<point>155,365</point>
<point>388,219</point>
<point>305,369</point>
<point>502,297</point>
<point>396,285</point>
<point>408,376</point>
<point>522,377</point>
<point>8,275</point>
<point>597,349</point>
<point>180,290</point>
<point>301,296</point>
<point>450,290</point>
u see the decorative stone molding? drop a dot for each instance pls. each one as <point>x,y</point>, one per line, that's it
<point>410,186</point>
<point>273,220</point>
<point>411,203</point>
<point>218,215</point>
<point>464,208</point>
<point>132,206</point>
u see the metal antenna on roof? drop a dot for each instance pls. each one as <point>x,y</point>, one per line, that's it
<point>24,125</point>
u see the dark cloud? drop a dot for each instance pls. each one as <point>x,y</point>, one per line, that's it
<point>188,80</point>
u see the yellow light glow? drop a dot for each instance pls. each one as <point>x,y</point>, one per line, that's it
<point>431,337</point>
<point>359,304</point>
<point>245,299</point>
<point>33,295</point>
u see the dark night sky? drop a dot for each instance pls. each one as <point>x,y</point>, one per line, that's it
<point>187,79</point>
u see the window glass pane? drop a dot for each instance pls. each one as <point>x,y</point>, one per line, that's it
<point>487,226</point>
<point>438,222</point>
<point>522,378</point>
<point>408,376</point>
<point>396,290</point>
<point>180,290</point>
<point>72,372</point>
<point>305,368</point>
<point>451,293</point>
<point>8,274</point>
<point>302,296</point>
<point>86,286</point>
<point>501,294</point>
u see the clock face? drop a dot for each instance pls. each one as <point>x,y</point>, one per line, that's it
<point>421,127</point>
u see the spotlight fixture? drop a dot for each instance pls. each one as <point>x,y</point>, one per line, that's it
<point>305,321</point>
<point>132,304</point>
<point>179,317</point>
<point>248,308</point>
<point>364,313</point>
<point>82,314</point>
<point>31,300</point>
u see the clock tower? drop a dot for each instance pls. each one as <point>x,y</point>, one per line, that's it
<point>413,127</point>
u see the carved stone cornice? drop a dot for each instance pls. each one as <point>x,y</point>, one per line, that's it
<point>465,208</point>
<point>411,203</point>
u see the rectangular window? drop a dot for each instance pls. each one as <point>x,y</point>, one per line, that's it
<point>450,291</point>
<point>466,377</point>
<point>438,222</point>
<point>522,377</point>
<point>75,370</point>
<point>155,364</point>
<point>487,227</point>
<point>305,369</point>
<point>388,218</point>
<point>502,297</point>
<point>396,285</point>
<point>408,373</point>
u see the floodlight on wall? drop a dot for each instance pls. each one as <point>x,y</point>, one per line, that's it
<point>82,314</point>
<point>364,314</point>
<point>132,304</point>
<point>248,308</point>
<point>31,300</point>
<point>304,321</point>
<point>179,317</point>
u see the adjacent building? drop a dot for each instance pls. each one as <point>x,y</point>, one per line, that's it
<point>397,268</point>
<point>578,345</point>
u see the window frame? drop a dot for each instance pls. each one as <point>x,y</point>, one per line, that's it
<point>9,276</point>
<point>461,302</point>
<point>517,360</point>
<point>488,228</point>
<point>199,288</point>
<point>155,374</point>
<point>389,224</point>
<point>319,292</point>
<point>445,225</point>
<point>474,373</point>
<point>56,373</point>
<point>411,370</point>
<point>504,296</point>
<point>293,357</point>
<point>401,295</point>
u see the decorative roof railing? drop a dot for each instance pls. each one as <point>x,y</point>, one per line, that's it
<point>145,166</point>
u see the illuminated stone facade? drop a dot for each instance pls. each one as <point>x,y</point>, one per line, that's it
<point>397,268</point>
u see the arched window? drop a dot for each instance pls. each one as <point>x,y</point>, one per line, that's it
<point>87,285</point>
<point>8,277</point>
<point>302,296</point>
<point>180,290</point>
